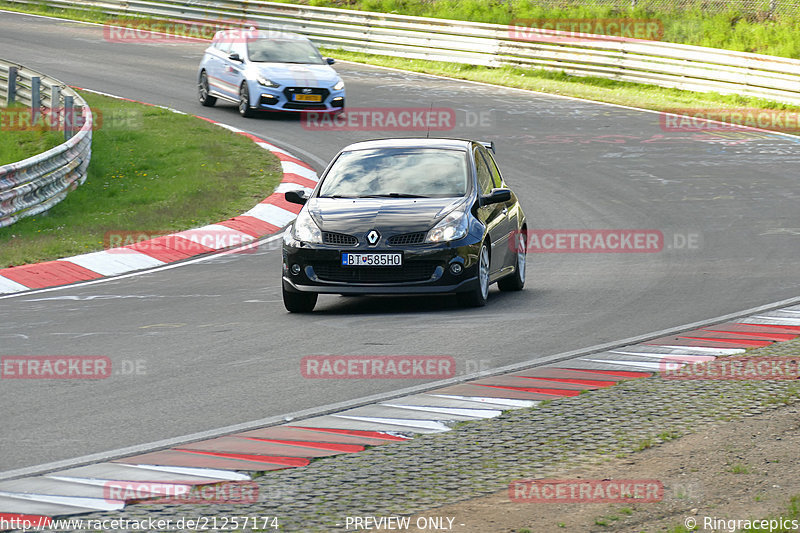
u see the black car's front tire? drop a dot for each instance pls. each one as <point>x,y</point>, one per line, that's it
<point>478,296</point>
<point>516,281</point>
<point>202,89</point>
<point>299,302</point>
<point>245,109</point>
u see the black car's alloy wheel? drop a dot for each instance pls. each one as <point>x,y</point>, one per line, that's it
<point>516,281</point>
<point>244,101</point>
<point>202,89</point>
<point>477,297</point>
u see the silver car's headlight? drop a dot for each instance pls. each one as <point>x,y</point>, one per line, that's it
<point>267,82</point>
<point>451,228</point>
<point>339,85</point>
<point>305,229</point>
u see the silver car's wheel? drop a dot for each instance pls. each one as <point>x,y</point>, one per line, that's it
<point>244,101</point>
<point>203,93</point>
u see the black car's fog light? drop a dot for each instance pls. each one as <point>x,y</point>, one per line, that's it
<point>456,269</point>
<point>296,269</point>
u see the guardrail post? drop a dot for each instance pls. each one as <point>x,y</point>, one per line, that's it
<point>68,122</point>
<point>36,98</point>
<point>55,105</point>
<point>12,85</point>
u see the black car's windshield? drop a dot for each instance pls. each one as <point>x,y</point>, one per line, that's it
<point>398,173</point>
<point>283,51</point>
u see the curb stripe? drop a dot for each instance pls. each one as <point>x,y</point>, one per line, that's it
<point>49,273</point>
<point>9,285</point>
<point>250,225</point>
<point>272,459</point>
<point>108,263</point>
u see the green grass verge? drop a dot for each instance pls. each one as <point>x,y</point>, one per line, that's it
<point>16,145</point>
<point>598,89</point>
<point>692,22</point>
<point>734,27</point>
<point>151,171</point>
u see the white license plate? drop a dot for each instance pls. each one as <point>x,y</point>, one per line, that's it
<point>377,260</point>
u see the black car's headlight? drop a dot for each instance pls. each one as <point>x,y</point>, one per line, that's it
<point>305,229</point>
<point>451,228</point>
<point>267,82</point>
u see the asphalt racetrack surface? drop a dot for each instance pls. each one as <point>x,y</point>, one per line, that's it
<point>209,344</point>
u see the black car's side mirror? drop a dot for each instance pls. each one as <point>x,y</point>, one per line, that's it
<point>235,57</point>
<point>295,197</point>
<point>330,60</point>
<point>497,196</point>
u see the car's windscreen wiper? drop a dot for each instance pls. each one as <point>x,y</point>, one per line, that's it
<point>337,196</point>
<point>393,195</point>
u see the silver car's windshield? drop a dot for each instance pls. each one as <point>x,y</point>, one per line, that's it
<point>398,173</point>
<point>283,51</point>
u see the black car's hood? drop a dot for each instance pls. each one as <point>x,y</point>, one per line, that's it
<point>356,216</point>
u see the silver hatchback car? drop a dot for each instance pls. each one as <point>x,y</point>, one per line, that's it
<point>262,70</point>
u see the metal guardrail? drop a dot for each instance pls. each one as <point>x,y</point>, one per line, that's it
<point>36,184</point>
<point>650,62</point>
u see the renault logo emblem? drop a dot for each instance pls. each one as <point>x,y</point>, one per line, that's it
<point>372,237</point>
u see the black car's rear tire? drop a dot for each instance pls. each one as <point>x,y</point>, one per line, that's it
<point>299,302</point>
<point>202,89</point>
<point>516,281</point>
<point>477,297</point>
<point>245,109</point>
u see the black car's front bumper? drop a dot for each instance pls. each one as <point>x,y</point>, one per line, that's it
<point>426,269</point>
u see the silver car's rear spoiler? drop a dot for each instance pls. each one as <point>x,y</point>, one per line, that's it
<point>489,145</point>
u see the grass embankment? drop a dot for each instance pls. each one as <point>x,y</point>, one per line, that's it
<point>16,144</point>
<point>732,26</point>
<point>599,89</point>
<point>151,171</point>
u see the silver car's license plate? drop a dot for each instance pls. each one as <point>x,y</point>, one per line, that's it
<point>378,260</point>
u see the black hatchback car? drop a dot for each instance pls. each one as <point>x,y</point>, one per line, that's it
<point>405,216</point>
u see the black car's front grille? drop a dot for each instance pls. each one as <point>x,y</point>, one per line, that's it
<point>414,271</point>
<point>407,238</point>
<point>338,239</point>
